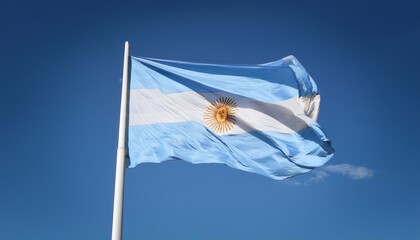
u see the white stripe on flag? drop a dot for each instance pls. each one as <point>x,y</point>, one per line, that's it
<point>150,106</point>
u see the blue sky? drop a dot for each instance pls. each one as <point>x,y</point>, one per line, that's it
<point>60,71</point>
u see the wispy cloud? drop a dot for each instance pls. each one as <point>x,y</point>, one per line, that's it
<point>351,171</point>
<point>347,170</point>
<point>319,177</point>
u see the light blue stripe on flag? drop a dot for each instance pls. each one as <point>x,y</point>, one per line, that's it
<point>256,118</point>
<point>269,84</point>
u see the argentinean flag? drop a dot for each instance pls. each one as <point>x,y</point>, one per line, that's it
<point>256,118</point>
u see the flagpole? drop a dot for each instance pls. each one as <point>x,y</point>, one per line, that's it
<point>121,153</point>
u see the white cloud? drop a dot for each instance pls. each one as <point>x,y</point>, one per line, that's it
<point>347,170</point>
<point>319,177</point>
<point>351,171</point>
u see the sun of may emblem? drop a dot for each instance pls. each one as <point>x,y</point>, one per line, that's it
<point>220,115</point>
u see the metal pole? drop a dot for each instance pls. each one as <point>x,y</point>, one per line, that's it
<point>121,154</point>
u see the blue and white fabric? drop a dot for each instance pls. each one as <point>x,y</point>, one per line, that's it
<point>256,118</point>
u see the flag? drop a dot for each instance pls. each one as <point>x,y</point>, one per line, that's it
<point>255,118</point>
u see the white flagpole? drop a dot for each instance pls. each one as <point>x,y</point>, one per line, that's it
<point>121,153</point>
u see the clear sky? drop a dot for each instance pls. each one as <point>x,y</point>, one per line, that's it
<point>60,70</point>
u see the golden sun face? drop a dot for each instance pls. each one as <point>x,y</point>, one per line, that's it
<point>220,115</point>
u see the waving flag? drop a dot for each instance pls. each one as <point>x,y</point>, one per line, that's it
<point>256,118</point>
